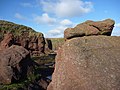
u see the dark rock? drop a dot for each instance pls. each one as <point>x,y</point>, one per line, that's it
<point>88,63</point>
<point>48,46</point>
<point>57,43</point>
<point>43,82</point>
<point>89,28</point>
<point>15,64</point>
<point>39,85</point>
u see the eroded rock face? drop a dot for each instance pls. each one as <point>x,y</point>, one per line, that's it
<point>34,43</point>
<point>23,36</point>
<point>88,63</point>
<point>15,64</point>
<point>90,28</point>
<point>7,41</point>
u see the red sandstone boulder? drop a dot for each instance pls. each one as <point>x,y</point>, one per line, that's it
<point>7,41</point>
<point>88,63</point>
<point>89,28</point>
<point>23,36</point>
<point>34,43</point>
<point>15,64</point>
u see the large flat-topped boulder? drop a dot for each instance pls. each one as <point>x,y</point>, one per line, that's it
<point>90,28</point>
<point>88,63</point>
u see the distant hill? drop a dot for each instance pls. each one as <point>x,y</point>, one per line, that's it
<point>57,43</point>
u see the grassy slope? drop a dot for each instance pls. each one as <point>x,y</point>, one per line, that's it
<point>16,29</point>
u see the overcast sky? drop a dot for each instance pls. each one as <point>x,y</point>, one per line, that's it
<point>52,17</point>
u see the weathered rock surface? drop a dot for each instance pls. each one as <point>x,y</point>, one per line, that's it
<point>89,28</point>
<point>7,41</point>
<point>88,63</point>
<point>23,36</point>
<point>15,64</point>
<point>34,43</point>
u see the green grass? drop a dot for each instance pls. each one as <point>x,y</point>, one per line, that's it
<point>16,29</point>
<point>21,84</point>
<point>13,86</point>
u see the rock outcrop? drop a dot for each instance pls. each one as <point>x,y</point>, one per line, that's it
<point>7,41</point>
<point>88,63</point>
<point>23,36</point>
<point>15,64</point>
<point>90,28</point>
<point>35,43</point>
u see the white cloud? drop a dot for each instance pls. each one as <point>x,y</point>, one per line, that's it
<point>57,32</point>
<point>66,22</point>
<point>116,30</point>
<point>117,25</point>
<point>44,19</point>
<point>67,8</point>
<point>19,16</point>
